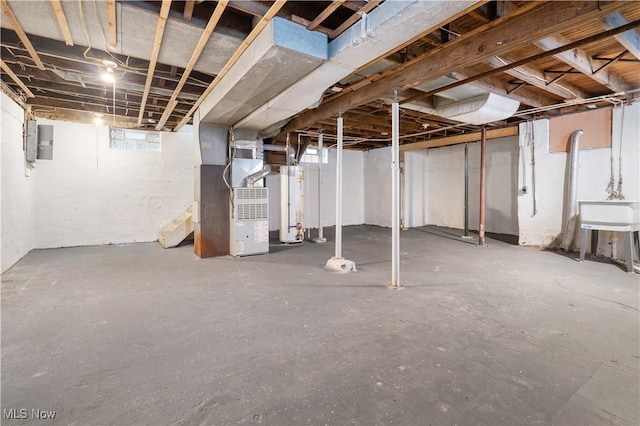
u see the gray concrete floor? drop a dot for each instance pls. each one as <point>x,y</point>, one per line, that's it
<point>502,335</point>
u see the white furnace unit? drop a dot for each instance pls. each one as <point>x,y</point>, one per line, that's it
<point>249,221</point>
<point>291,204</point>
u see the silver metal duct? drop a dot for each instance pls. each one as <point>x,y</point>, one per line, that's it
<point>572,192</point>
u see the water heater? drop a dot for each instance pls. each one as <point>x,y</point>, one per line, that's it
<point>291,204</point>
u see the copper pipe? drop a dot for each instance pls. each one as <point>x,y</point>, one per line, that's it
<point>483,183</point>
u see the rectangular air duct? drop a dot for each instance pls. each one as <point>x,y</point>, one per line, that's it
<point>388,26</point>
<point>280,55</point>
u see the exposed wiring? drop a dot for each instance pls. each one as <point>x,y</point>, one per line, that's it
<point>231,153</point>
<point>84,29</point>
<point>616,193</point>
<point>533,171</point>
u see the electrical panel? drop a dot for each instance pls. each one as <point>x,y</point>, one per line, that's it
<point>249,221</point>
<point>30,140</point>
<point>45,142</point>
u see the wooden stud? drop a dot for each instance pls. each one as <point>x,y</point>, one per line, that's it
<point>324,14</point>
<point>15,78</point>
<point>111,13</point>
<point>354,18</point>
<point>581,61</point>
<point>21,34</point>
<point>204,38</point>
<point>458,139</point>
<point>498,37</point>
<point>188,10</point>
<point>157,41</point>
<point>273,10</point>
<point>62,22</point>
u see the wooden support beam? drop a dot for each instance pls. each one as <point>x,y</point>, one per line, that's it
<point>629,39</point>
<point>273,10</point>
<point>15,78</point>
<point>111,14</point>
<point>324,14</point>
<point>535,77</point>
<point>354,18</point>
<point>62,22</point>
<point>188,10</point>
<point>494,39</point>
<point>565,48</point>
<point>581,61</point>
<point>458,139</point>
<point>157,41</point>
<point>21,34</point>
<point>204,38</point>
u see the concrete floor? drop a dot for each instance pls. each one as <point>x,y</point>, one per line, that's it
<point>502,335</point>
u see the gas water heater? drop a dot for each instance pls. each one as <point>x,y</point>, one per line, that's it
<point>291,204</point>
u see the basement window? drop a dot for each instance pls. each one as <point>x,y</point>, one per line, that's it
<point>311,155</point>
<point>134,140</point>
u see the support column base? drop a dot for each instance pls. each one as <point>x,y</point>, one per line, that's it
<point>340,264</point>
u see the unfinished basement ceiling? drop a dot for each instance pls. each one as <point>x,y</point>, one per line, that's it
<point>52,60</point>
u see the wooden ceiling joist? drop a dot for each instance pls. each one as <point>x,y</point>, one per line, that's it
<point>204,38</point>
<point>581,61</point>
<point>62,22</point>
<point>15,78</point>
<point>6,9</point>
<point>630,39</point>
<point>535,77</point>
<point>111,16</point>
<point>354,18</point>
<point>157,42</point>
<point>188,10</point>
<point>325,14</point>
<point>494,39</point>
<point>273,10</point>
<point>458,139</point>
<point>571,47</point>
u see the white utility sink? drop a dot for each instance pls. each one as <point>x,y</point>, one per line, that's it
<point>611,215</point>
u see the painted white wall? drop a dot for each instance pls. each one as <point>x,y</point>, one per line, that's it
<point>91,194</point>
<point>353,192</point>
<point>544,226</point>
<point>434,186</point>
<point>17,234</point>
<point>377,187</point>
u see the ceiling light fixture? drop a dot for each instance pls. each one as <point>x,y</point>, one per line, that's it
<point>108,76</point>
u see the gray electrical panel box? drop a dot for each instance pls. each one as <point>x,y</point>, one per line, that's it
<point>45,142</point>
<point>30,140</point>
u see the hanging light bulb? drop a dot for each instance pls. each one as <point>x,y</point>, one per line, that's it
<point>108,76</point>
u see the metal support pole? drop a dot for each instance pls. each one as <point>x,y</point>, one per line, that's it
<point>395,195</point>
<point>339,263</point>
<point>466,190</point>
<point>483,183</point>
<point>321,238</point>
<point>338,253</point>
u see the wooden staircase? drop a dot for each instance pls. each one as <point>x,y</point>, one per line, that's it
<point>178,230</point>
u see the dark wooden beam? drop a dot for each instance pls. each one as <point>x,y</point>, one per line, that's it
<point>496,38</point>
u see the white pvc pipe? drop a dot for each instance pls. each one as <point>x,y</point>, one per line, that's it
<point>320,183</point>
<point>395,195</point>
<point>339,192</point>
